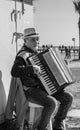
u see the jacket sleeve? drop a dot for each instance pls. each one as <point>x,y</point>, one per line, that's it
<point>20,68</point>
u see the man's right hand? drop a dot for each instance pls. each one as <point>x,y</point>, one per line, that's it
<point>37,69</point>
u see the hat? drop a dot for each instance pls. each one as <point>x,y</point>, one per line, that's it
<point>30,32</point>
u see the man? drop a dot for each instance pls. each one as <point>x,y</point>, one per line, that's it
<point>28,75</point>
<point>32,86</point>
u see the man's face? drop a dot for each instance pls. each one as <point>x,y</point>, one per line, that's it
<point>32,42</point>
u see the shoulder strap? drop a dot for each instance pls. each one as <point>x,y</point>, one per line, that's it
<point>23,54</point>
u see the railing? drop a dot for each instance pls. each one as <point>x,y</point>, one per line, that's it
<point>67,52</point>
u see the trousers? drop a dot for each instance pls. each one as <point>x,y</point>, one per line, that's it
<point>65,100</point>
<point>49,104</point>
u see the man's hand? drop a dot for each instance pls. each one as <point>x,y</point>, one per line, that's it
<point>37,70</point>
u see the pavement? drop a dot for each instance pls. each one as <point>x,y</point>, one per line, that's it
<point>74,113</point>
<point>74,64</point>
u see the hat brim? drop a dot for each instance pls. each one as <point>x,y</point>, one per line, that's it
<point>24,37</point>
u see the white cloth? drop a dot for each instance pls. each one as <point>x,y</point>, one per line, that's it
<point>16,93</point>
<point>2,101</point>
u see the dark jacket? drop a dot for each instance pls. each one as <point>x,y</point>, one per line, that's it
<point>23,69</point>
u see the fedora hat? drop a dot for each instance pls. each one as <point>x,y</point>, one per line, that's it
<point>30,32</point>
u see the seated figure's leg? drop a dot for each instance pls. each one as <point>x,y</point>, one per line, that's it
<point>65,100</point>
<point>41,98</point>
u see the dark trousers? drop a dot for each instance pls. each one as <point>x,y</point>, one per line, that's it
<point>65,100</point>
<point>49,104</point>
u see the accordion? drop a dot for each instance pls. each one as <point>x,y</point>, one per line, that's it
<point>55,74</point>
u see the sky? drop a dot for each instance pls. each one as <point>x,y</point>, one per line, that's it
<point>55,20</point>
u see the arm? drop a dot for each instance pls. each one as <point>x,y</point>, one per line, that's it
<point>20,68</point>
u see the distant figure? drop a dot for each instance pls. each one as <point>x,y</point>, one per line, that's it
<point>66,52</point>
<point>2,99</point>
<point>69,52</point>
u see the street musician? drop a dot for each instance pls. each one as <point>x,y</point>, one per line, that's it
<point>32,86</point>
<point>28,76</point>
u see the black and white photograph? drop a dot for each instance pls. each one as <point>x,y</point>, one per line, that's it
<point>39,64</point>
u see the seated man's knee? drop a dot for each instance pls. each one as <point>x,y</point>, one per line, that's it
<point>68,97</point>
<point>53,102</point>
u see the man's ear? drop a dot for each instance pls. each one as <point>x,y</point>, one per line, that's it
<point>26,40</point>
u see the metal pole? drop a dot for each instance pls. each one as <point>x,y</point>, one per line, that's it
<point>79,35</point>
<point>79,43</point>
<point>16,24</point>
<point>74,48</point>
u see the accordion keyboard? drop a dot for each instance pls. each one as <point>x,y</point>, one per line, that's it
<point>44,77</point>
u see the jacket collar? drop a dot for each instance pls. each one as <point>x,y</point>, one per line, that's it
<point>28,49</point>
